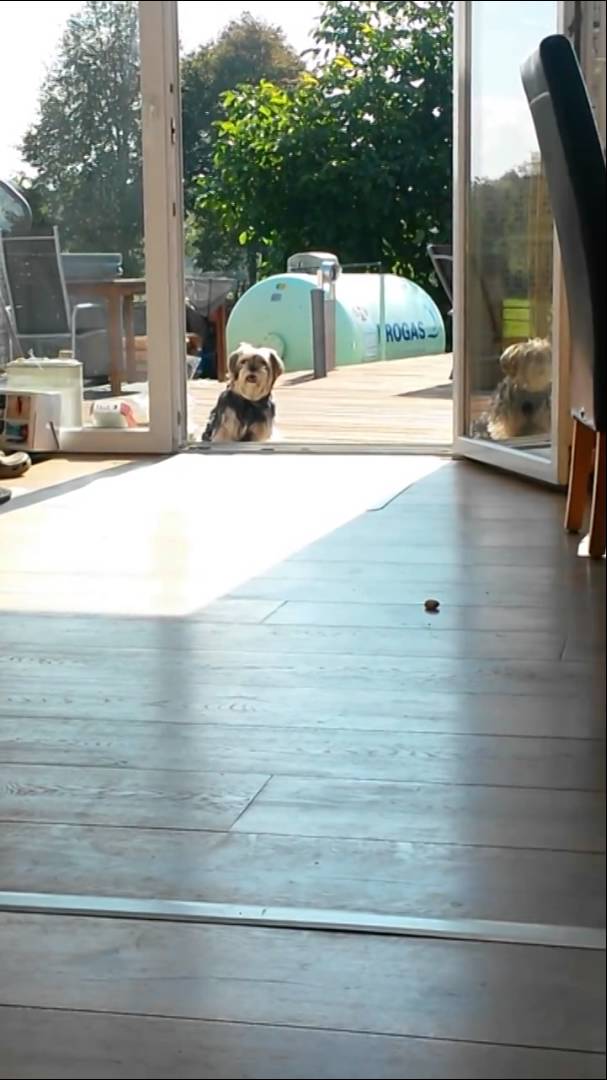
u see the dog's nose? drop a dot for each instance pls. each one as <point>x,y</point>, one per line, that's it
<point>527,408</point>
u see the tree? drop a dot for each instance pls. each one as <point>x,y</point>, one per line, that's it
<point>246,51</point>
<point>85,145</point>
<point>356,156</point>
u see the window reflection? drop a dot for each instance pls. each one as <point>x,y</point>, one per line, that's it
<point>510,250</point>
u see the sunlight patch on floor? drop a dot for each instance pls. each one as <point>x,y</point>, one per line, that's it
<point>170,537</point>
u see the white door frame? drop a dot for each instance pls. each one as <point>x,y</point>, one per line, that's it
<point>555,469</point>
<point>164,271</point>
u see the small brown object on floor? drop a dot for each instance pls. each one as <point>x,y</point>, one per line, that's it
<point>432,605</point>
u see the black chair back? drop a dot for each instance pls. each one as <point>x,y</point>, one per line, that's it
<point>574,163</point>
<point>36,286</point>
<point>441,257</point>
<point>15,212</point>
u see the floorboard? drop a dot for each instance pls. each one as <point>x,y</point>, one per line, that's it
<point>392,877</point>
<point>300,979</point>
<point>153,797</point>
<point>436,813</point>
<point>45,1045</point>
<point>414,757</point>
<point>175,676</point>
<point>201,699</point>
<point>401,711</point>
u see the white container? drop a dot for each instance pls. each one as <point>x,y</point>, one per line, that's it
<point>63,376</point>
<point>29,421</point>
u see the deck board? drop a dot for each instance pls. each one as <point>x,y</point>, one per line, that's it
<point>394,402</point>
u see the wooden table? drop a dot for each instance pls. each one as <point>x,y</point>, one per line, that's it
<point>118,294</point>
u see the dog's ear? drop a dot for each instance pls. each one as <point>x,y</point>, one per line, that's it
<point>233,360</point>
<point>277,364</point>
<point>509,360</point>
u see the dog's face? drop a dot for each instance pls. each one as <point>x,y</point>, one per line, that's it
<point>253,371</point>
<point>521,404</point>
<point>529,366</point>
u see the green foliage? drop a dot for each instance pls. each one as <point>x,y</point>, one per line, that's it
<point>355,157</point>
<point>85,145</point>
<point>246,51</point>
<point>512,227</point>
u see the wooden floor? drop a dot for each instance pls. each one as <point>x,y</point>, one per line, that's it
<point>396,402</point>
<point>218,683</point>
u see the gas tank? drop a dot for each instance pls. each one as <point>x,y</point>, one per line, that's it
<point>276,312</point>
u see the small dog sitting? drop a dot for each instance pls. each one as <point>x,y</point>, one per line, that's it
<point>245,411</point>
<point>521,404</point>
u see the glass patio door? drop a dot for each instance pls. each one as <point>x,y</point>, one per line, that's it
<point>508,290</point>
<point>92,269</point>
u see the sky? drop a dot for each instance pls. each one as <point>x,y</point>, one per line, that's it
<point>502,131</point>
<point>30,32</point>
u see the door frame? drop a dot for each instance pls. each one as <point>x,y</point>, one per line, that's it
<point>555,469</point>
<point>163,231</point>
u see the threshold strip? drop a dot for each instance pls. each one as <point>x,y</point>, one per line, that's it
<point>315,919</point>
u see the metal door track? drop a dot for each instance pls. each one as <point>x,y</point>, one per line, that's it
<point>313,919</point>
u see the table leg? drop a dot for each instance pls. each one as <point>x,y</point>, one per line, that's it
<point>596,544</point>
<point>129,333</point>
<point>579,473</point>
<point>114,303</point>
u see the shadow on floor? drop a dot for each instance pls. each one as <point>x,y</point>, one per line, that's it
<point>445,393</point>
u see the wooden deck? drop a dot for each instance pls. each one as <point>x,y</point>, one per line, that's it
<point>396,402</point>
<point>218,683</point>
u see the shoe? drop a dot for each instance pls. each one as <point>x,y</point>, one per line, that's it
<point>13,465</point>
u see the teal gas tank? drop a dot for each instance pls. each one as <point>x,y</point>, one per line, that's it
<point>276,312</point>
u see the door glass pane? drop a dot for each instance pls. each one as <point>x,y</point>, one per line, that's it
<point>510,241</point>
<point>267,163</point>
<point>71,209</point>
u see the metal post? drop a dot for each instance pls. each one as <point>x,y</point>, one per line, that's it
<point>319,341</point>
<point>330,325</point>
<point>382,316</point>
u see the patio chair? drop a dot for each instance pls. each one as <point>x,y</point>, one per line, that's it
<point>15,212</point>
<point>441,257</point>
<point>42,319</point>
<point>574,163</point>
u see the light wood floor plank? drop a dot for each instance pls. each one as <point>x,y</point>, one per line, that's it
<point>397,986</point>
<point>138,798</point>
<point>391,877</point>
<point>53,1045</point>
<point>414,708</point>
<point>342,754</point>
<point>175,677</point>
<point>501,817</point>
<point>116,636</point>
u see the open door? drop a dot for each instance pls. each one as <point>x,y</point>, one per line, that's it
<point>510,328</point>
<point>91,255</point>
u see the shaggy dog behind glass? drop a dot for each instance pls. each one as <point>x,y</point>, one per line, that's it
<point>521,404</point>
<point>245,410</point>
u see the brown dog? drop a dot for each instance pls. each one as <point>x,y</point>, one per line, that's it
<point>521,404</point>
<point>245,411</point>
